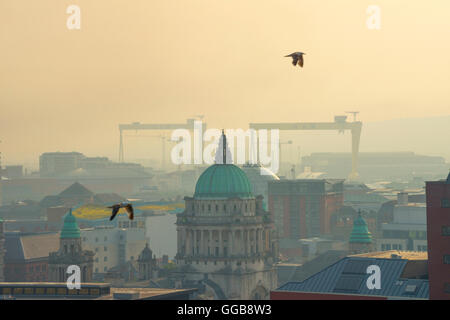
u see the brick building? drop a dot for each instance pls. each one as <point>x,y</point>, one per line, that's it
<point>2,251</point>
<point>26,257</point>
<point>303,208</point>
<point>438,234</point>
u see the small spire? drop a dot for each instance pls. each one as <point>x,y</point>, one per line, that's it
<point>223,153</point>
<point>224,147</point>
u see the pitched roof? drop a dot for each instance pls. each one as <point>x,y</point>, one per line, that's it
<point>348,276</point>
<point>76,190</point>
<point>26,247</point>
<point>322,261</point>
<point>39,246</point>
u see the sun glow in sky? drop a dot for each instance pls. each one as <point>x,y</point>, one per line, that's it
<point>167,60</point>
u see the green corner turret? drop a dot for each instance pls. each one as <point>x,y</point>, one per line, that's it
<point>70,228</point>
<point>360,232</point>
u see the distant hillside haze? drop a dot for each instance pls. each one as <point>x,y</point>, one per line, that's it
<point>427,136</point>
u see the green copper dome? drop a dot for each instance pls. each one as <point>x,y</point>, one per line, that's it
<point>223,181</point>
<point>360,232</point>
<point>70,228</point>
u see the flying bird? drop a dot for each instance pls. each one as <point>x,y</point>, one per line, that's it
<point>115,209</point>
<point>297,58</point>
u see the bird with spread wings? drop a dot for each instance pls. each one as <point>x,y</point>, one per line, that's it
<point>116,207</point>
<point>297,58</point>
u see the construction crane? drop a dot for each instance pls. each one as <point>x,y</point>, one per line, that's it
<point>281,143</point>
<point>164,140</point>
<point>340,123</point>
<point>137,126</point>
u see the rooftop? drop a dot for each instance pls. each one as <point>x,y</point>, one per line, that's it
<point>348,276</point>
<point>146,294</point>
<point>392,254</point>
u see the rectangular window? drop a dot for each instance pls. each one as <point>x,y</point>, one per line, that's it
<point>445,203</point>
<point>447,287</point>
<point>446,258</point>
<point>446,230</point>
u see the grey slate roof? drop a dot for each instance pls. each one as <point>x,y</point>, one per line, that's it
<point>320,262</point>
<point>348,276</point>
<point>28,247</point>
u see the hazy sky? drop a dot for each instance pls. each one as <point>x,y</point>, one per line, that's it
<point>167,60</point>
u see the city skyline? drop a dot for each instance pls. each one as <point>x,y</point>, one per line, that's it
<point>165,62</point>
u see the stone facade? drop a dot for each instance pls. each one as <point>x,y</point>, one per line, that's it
<point>70,253</point>
<point>230,243</point>
<point>226,241</point>
<point>147,264</point>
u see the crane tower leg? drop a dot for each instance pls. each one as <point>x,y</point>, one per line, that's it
<point>356,136</point>
<point>121,147</point>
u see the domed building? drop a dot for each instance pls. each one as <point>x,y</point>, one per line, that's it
<point>70,253</point>
<point>146,264</point>
<point>226,240</point>
<point>259,178</point>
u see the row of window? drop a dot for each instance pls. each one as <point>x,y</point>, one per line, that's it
<point>209,207</point>
<point>445,230</point>
<point>388,246</point>
<point>37,268</point>
<point>225,262</point>
<point>104,259</point>
<point>132,224</point>
<point>446,258</point>
<point>50,291</point>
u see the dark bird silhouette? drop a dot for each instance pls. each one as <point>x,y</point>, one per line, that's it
<point>115,209</point>
<point>297,58</point>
